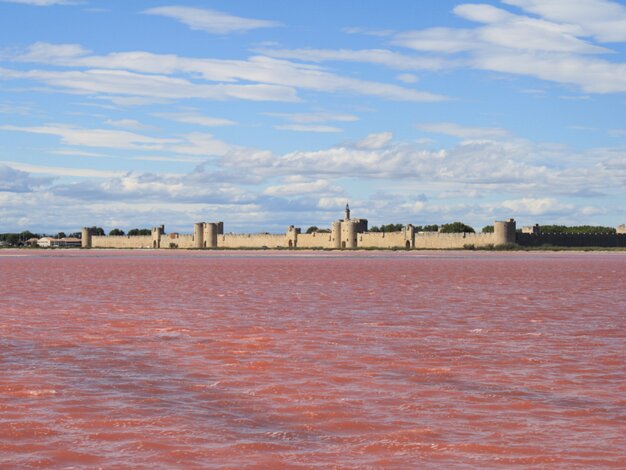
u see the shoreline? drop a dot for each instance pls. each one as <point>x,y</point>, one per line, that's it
<point>551,249</point>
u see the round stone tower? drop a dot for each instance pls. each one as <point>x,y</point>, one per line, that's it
<point>210,234</point>
<point>504,232</point>
<point>85,240</point>
<point>351,234</point>
<point>335,234</point>
<point>198,235</point>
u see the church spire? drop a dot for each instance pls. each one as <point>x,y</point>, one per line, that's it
<point>347,214</point>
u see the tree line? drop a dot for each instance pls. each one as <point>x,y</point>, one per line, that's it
<point>460,227</point>
<point>20,238</point>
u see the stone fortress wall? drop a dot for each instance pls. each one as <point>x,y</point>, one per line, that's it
<point>349,233</point>
<point>539,238</point>
<point>119,241</point>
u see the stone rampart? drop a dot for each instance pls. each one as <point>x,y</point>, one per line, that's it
<point>446,241</point>
<point>176,240</point>
<point>121,241</point>
<point>384,240</point>
<point>315,240</point>
<point>252,240</point>
<point>350,234</point>
<point>572,239</point>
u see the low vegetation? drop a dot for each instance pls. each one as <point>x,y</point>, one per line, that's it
<point>135,232</point>
<point>590,229</point>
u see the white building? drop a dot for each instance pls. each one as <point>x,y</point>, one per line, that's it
<point>67,242</point>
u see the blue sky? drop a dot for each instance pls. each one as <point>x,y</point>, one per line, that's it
<point>265,114</point>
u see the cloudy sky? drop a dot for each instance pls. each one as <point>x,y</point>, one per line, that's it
<point>263,114</point>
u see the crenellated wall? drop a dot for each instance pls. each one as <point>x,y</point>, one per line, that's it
<point>176,240</point>
<point>315,240</point>
<point>252,240</point>
<point>446,241</point>
<point>349,234</point>
<point>121,241</point>
<point>572,239</point>
<point>402,239</point>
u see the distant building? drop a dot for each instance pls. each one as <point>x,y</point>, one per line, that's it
<point>67,242</point>
<point>32,241</point>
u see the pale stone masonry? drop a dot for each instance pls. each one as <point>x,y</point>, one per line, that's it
<point>349,233</point>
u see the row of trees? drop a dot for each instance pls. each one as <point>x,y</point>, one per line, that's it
<point>119,232</point>
<point>460,227</point>
<point>576,229</point>
<point>20,238</point>
<point>454,227</point>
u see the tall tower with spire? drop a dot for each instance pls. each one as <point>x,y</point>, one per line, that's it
<point>347,213</point>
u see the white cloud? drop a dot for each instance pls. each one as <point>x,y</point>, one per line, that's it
<point>62,171</point>
<point>407,78</point>
<point>142,74</point>
<point>387,58</point>
<point>554,47</point>
<point>239,181</point>
<point>16,181</point>
<point>104,138</point>
<point>202,144</point>
<point>198,119</point>
<point>44,3</point>
<point>537,206</point>
<point>79,153</point>
<point>306,128</point>
<point>375,141</point>
<point>483,13</point>
<point>127,124</point>
<point>331,203</point>
<point>302,188</point>
<point>211,21</point>
<point>464,132</point>
<point>366,31</point>
<point>307,118</point>
<point>141,86</point>
<point>605,20</point>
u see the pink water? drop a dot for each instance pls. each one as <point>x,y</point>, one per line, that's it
<point>397,360</point>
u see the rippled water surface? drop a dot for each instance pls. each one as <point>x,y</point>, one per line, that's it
<point>393,360</point>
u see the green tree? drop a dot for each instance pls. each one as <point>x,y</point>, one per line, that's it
<point>391,227</point>
<point>312,229</point>
<point>589,229</point>
<point>456,227</point>
<point>61,235</point>
<point>26,234</point>
<point>374,229</point>
<point>97,231</point>
<point>488,229</point>
<point>431,228</point>
<point>116,232</point>
<point>139,231</point>
<point>12,239</point>
<point>76,235</point>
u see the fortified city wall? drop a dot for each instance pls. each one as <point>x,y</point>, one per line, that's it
<point>315,240</point>
<point>444,241</point>
<point>252,240</point>
<point>349,233</point>
<point>572,239</point>
<point>141,241</point>
<point>406,238</point>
